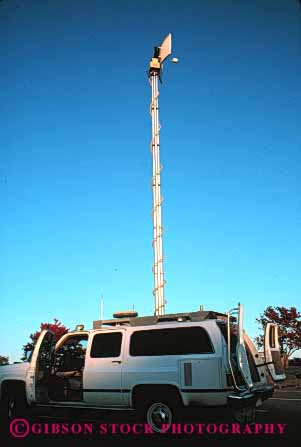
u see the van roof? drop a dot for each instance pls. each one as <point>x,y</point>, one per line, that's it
<point>167,318</point>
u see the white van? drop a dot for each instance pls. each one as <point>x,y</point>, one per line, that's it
<point>156,365</point>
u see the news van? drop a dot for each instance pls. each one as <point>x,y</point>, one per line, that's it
<point>156,365</point>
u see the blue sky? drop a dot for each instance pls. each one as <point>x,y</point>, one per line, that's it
<point>76,166</point>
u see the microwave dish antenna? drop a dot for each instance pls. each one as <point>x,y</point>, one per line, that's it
<point>161,53</point>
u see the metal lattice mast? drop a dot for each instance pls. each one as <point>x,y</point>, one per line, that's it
<point>157,202</point>
<point>154,74</point>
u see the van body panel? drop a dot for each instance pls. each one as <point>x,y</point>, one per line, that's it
<point>202,373</point>
<point>206,398</point>
<point>102,377</point>
<point>205,369</point>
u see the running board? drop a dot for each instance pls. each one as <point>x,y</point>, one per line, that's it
<point>87,407</point>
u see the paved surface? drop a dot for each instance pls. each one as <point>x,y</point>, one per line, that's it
<point>283,408</point>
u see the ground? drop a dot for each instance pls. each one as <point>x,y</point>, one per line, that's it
<point>293,378</point>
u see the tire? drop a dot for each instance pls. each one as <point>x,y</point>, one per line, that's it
<point>159,416</point>
<point>15,404</point>
<point>245,415</point>
<point>161,411</point>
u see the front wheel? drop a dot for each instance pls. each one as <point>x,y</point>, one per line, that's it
<point>11,407</point>
<point>15,405</point>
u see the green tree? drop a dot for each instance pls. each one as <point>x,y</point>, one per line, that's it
<point>56,327</point>
<point>4,360</point>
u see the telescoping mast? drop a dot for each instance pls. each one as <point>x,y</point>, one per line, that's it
<point>154,73</point>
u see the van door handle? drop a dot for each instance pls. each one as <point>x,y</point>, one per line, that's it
<point>116,361</point>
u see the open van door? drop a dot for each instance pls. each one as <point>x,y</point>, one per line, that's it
<point>272,352</point>
<point>39,368</point>
<point>242,358</point>
<point>238,362</point>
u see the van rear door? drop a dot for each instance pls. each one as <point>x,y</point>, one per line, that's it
<point>242,358</point>
<point>238,362</point>
<point>272,352</point>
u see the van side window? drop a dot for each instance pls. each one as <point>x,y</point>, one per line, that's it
<point>177,341</point>
<point>106,345</point>
<point>70,356</point>
<point>272,337</point>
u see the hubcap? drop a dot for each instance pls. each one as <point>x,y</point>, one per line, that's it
<point>157,415</point>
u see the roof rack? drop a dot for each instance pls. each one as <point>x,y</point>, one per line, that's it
<point>167,318</point>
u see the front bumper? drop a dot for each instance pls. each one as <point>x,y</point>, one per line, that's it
<point>250,398</point>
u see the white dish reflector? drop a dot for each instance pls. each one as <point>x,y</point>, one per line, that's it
<point>165,48</point>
